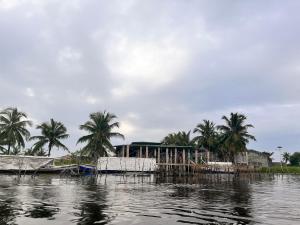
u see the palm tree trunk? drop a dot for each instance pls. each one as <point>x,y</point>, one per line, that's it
<point>49,150</point>
<point>8,149</point>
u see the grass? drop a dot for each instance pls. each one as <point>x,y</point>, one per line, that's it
<point>73,160</point>
<point>284,169</point>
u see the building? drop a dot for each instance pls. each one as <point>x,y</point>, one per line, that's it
<point>164,154</point>
<point>254,158</point>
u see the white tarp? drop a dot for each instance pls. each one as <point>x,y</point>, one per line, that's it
<point>19,162</point>
<point>127,164</point>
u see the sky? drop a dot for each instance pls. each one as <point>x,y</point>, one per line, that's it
<point>160,65</point>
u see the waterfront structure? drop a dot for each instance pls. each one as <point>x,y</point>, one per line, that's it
<point>172,155</point>
<point>164,154</point>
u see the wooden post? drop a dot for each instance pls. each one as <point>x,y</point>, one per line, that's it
<point>189,156</point>
<point>147,152</point>
<point>171,157</point>
<point>127,151</point>
<point>175,156</point>
<point>183,156</point>
<point>123,151</point>
<point>196,156</point>
<point>158,155</point>
<point>141,152</point>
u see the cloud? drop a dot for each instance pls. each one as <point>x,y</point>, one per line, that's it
<point>160,66</point>
<point>145,65</point>
<point>29,92</point>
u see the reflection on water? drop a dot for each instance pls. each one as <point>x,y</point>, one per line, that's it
<point>91,207</point>
<point>131,199</point>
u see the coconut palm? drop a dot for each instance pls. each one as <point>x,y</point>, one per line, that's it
<point>100,129</point>
<point>181,138</point>
<point>51,134</point>
<point>13,128</point>
<point>234,134</point>
<point>35,152</point>
<point>286,156</point>
<point>207,137</point>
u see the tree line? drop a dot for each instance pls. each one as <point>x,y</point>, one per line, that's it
<point>225,140</point>
<point>14,133</point>
<point>293,159</point>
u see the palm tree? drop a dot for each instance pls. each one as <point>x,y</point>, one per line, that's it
<point>13,128</point>
<point>286,157</point>
<point>100,130</point>
<point>234,135</point>
<point>181,138</point>
<point>35,152</point>
<point>207,134</point>
<point>51,134</point>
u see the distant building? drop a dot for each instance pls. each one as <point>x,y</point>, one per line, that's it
<point>164,154</point>
<point>254,158</point>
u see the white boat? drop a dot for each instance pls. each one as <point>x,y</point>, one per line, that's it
<point>24,163</point>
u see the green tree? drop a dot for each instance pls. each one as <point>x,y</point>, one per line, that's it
<point>13,128</point>
<point>35,152</point>
<point>51,134</point>
<point>181,138</point>
<point>286,156</point>
<point>295,159</point>
<point>207,135</point>
<point>100,129</point>
<point>234,134</point>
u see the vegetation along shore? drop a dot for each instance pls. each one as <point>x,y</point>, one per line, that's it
<point>224,141</point>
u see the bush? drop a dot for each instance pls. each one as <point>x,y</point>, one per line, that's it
<point>295,159</point>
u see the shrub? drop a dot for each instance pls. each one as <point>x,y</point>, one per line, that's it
<point>295,159</point>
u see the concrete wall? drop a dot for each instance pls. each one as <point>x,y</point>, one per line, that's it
<point>126,164</point>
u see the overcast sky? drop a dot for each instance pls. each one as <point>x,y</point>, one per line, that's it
<point>160,66</point>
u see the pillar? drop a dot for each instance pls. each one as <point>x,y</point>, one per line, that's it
<point>123,151</point>
<point>183,156</point>
<point>175,155</point>
<point>141,152</point>
<point>196,156</point>
<point>167,155</point>
<point>127,151</point>
<point>158,155</point>
<point>147,152</point>
<point>171,157</point>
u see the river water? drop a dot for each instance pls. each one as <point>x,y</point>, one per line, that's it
<point>132,199</point>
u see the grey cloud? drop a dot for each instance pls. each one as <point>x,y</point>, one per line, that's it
<point>161,66</point>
